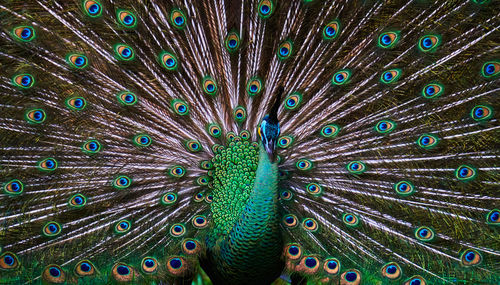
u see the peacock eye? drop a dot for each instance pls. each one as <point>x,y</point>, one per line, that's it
<point>142,140</point>
<point>490,69</point>
<point>77,201</point>
<point>121,182</point>
<point>245,135</point>
<point>350,219</point>
<point>285,50</point>
<point>168,198</point>
<point>388,39</point>
<point>78,61</point>
<point>199,221</point>
<point>493,217</point>
<point>124,52</point>
<point>192,146</point>
<point>122,226</point>
<point>168,60</point>
<point>232,41</point>
<point>415,280</point>
<point>390,76</point>
<point>149,265</point>
<point>92,8</point>
<point>290,221</point>
<point>126,18</point>
<point>177,230</point>
<point>465,173</point>
<point>310,224</point>
<point>126,98</point>
<point>214,130</point>
<point>51,229</point>
<point>178,19</point>
<point>180,107</point>
<point>209,85</point>
<point>47,164</point>
<point>53,274</point>
<point>23,33</point>
<point>391,271</point>
<point>432,90</point>
<point>240,114</point>
<point>285,141</point>
<point>254,86</point>
<point>293,251</point>
<point>404,188</point>
<point>177,171</point>
<point>13,187</point>
<point>8,261</point>
<point>91,147</point>
<point>331,266</point>
<point>427,141</point>
<point>424,234</point>
<point>481,112</point>
<point>330,131</point>
<point>304,164</point>
<point>175,265</point>
<point>356,167</point>
<point>428,43</point>
<point>352,276</point>
<point>84,268</point>
<point>470,257</point>
<point>331,30</point>
<point>293,101</point>
<point>341,77</point>
<point>314,189</point>
<point>190,246</point>
<point>23,81</point>
<point>122,272</point>
<point>385,126</point>
<point>265,8</point>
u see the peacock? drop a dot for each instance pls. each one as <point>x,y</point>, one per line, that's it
<point>249,142</point>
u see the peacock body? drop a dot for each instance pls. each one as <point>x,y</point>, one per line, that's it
<point>249,142</point>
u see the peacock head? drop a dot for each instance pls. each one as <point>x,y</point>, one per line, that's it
<point>269,129</point>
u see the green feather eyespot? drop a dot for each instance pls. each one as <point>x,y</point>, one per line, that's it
<point>470,257</point>
<point>285,50</point>
<point>35,116</point>
<point>240,114</point>
<point>293,251</point>
<point>9,261</point>
<point>199,197</point>
<point>293,101</point>
<point>202,181</point>
<point>230,136</point>
<point>331,266</point>
<point>168,60</point>
<point>77,201</point>
<point>314,189</point>
<point>493,217</point>
<point>209,198</point>
<point>142,140</point>
<point>286,195</point>
<point>177,19</point>
<point>390,76</point>
<point>285,141</point>
<point>53,274</point>
<point>341,77</point>
<point>51,229</point>
<point>193,146</point>
<point>432,90</point>
<point>415,279</point>
<point>92,8</point>
<point>385,126</point>
<point>126,98</point>
<point>177,230</point>
<point>465,173</point>
<point>176,266</point>
<point>388,39</point>
<point>76,103</point>
<point>309,224</point>
<point>191,246</point>
<point>177,171</point>
<point>91,147</point>
<point>47,164</point>
<point>122,273</point>
<point>214,130</point>
<point>245,135</point>
<point>331,30</point>
<point>123,226</point>
<point>13,187</point>
<point>404,188</point>
<point>427,141</point>
<point>351,277</point>
<point>180,107</point>
<point>254,86</point>
<point>78,61</point>
<point>309,264</point>
<point>265,8</point>
<point>84,268</point>
<point>356,167</point>
<point>481,112</point>
<point>199,221</point>
<point>121,182</point>
<point>168,198</point>
<point>391,271</point>
<point>304,164</point>
<point>330,131</point>
<point>23,80</point>
<point>149,265</point>
<point>490,69</point>
<point>206,164</point>
<point>429,43</point>
<point>350,219</point>
<point>23,33</point>
<point>126,18</point>
<point>290,221</point>
<point>232,41</point>
<point>124,52</point>
<point>424,234</point>
<point>209,86</point>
